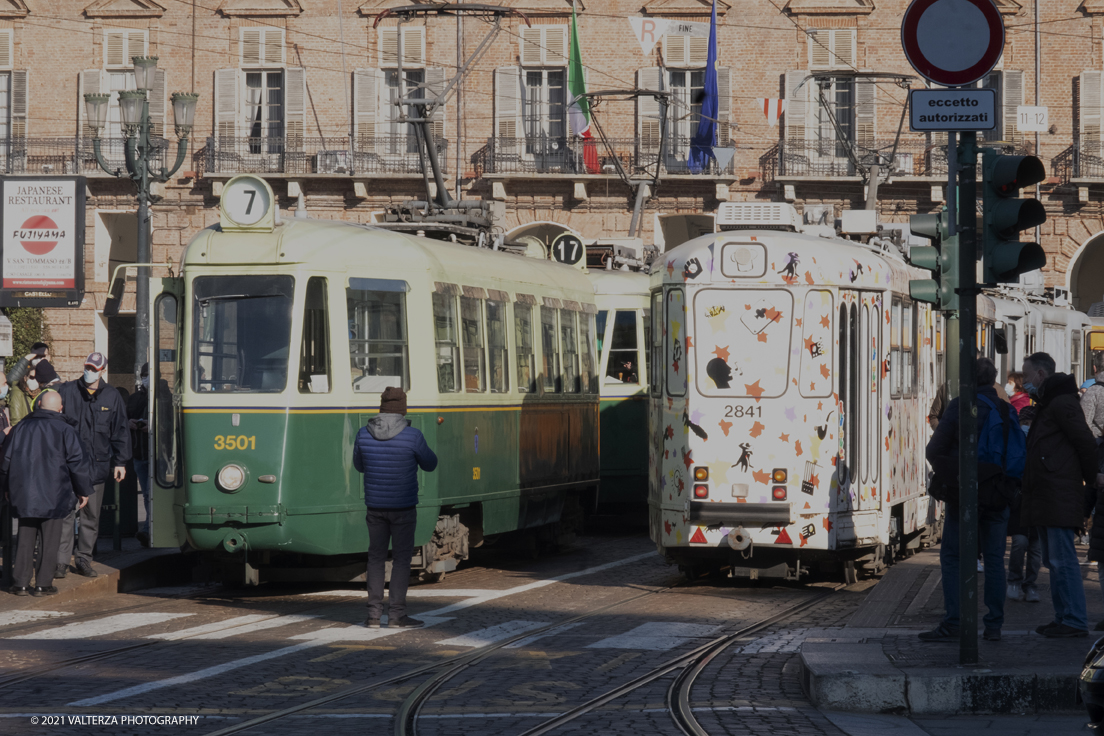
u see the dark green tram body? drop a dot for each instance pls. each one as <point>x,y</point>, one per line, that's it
<point>273,347</point>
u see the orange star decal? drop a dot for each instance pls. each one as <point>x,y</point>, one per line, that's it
<point>689,342</point>
<point>797,447</point>
<point>754,390</point>
<point>762,337</point>
<point>887,444</point>
<point>761,476</point>
<point>820,406</point>
<point>721,353</point>
<point>815,480</point>
<point>824,370</point>
<point>809,278</point>
<point>809,343</point>
<point>747,307</point>
<point>773,314</point>
<point>670,269</point>
<point>725,426</point>
<point>812,387</point>
<point>784,437</point>
<point>757,429</point>
<point>825,321</point>
<point>797,321</point>
<point>827,523</point>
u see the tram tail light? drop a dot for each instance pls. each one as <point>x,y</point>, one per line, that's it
<point>779,475</point>
<point>701,491</point>
<point>701,473</point>
<point>779,493</point>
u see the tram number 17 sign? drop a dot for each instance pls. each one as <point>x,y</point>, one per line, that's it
<point>42,220</point>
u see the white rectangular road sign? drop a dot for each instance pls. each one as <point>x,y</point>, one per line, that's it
<point>1032,119</point>
<point>952,109</point>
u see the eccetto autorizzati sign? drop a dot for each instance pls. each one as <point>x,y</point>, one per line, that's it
<point>42,220</point>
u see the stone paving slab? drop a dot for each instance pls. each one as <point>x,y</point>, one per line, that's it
<point>863,668</point>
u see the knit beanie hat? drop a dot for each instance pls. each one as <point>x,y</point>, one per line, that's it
<point>393,401</point>
<point>45,373</point>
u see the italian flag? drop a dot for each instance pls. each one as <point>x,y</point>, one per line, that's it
<point>579,112</point>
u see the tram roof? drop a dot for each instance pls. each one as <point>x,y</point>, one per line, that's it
<point>619,283</point>
<point>334,246</point>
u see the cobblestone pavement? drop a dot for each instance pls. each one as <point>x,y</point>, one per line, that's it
<point>227,656</point>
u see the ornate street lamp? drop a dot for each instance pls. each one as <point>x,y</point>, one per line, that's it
<point>140,151</point>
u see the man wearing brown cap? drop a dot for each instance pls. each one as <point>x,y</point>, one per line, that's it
<point>99,414</point>
<point>388,451</point>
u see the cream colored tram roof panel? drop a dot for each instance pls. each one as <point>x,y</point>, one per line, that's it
<point>619,283</point>
<point>764,257</point>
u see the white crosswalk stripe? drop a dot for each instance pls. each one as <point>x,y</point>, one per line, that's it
<point>483,637</point>
<point>103,626</point>
<point>21,617</point>
<point>655,635</point>
<point>269,623</point>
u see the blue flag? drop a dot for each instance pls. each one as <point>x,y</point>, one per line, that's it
<point>701,144</point>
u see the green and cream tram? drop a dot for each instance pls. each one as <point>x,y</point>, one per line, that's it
<point>273,345</point>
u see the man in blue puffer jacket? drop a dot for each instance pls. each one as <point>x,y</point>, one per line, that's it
<point>389,452</point>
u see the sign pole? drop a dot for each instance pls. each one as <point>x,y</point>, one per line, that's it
<point>967,401</point>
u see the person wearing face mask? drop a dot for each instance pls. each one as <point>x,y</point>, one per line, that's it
<point>1061,462</point>
<point>21,399</point>
<point>137,408</point>
<point>1018,398</point>
<point>97,410</point>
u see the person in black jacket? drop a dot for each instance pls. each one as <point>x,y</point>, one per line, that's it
<point>44,474</point>
<point>97,410</point>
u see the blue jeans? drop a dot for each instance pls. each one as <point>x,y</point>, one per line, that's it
<point>141,469</point>
<point>1066,589</point>
<point>1025,559</point>
<point>992,531</point>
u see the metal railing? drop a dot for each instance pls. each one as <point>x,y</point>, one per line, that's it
<point>827,159</point>
<point>387,154</point>
<point>573,155</point>
<point>1082,160</point>
<point>66,156</point>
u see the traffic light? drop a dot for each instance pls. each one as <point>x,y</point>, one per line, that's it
<point>1004,257</point>
<point>941,258</point>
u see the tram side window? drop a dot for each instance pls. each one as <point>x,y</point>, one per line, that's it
<point>601,322</point>
<point>1075,357</point>
<point>550,351</point>
<point>586,350</point>
<point>444,331</point>
<point>242,333</point>
<point>378,358</point>
<point>623,365</point>
<point>569,345</point>
<point>895,381</point>
<point>656,342</point>
<point>523,345</point>
<point>314,355</point>
<point>908,358</point>
<point>471,329</point>
<point>496,347</point>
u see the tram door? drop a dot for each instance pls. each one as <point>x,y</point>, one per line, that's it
<point>166,466</point>
<point>859,377</point>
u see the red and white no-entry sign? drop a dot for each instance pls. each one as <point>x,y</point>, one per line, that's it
<point>952,42</point>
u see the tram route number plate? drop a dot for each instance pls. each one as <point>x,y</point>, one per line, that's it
<point>952,109</point>
<point>567,248</point>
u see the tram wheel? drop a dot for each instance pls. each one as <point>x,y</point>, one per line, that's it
<point>690,572</point>
<point>850,572</point>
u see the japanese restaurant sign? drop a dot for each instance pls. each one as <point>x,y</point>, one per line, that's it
<point>42,221</point>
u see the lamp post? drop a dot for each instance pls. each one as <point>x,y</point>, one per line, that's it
<point>139,151</point>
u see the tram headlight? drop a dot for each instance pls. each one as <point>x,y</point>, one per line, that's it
<point>231,477</point>
<point>701,473</point>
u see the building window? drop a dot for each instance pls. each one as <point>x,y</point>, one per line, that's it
<point>402,136</point>
<point>376,310</point>
<point>264,110</point>
<point>543,106</point>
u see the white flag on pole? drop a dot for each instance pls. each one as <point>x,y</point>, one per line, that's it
<point>772,109</point>
<point>648,32</point>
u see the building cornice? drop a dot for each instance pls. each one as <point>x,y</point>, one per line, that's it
<point>684,7</point>
<point>261,8</point>
<point>112,9</point>
<point>830,7</point>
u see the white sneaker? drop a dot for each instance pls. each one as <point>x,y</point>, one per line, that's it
<point>1015,592</point>
<point>1032,595</point>
<point>981,566</point>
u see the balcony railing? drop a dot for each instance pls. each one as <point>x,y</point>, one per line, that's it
<point>1082,160</point>
<point>293,155</point>
<point>828,159</point>
<point>66,156</point>
<point>575,156</point>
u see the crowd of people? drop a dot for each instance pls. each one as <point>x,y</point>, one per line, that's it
<point>1040,479</point>
<point>62,442</point>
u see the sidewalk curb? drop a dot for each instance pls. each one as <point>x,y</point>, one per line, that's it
<point>859,678</point>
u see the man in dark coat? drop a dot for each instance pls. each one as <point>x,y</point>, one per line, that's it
<point>389,452</point>
<point>45,474</point>
<point>1061,460</point>
<point>942,453</point>
<point>98,412</point>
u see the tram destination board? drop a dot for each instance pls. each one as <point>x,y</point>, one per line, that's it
<point>952,109</point>
<point>42,260</point>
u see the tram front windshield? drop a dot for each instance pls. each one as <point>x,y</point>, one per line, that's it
<point>242,333</point>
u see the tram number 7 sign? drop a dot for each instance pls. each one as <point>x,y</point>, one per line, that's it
<point>568,249</point>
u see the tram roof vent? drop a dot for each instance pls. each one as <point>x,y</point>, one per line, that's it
<point>757,216</point>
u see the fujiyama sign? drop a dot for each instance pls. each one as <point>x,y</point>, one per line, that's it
<point>42,221</point>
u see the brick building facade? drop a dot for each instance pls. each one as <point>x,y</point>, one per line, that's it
<point>299,91</point>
